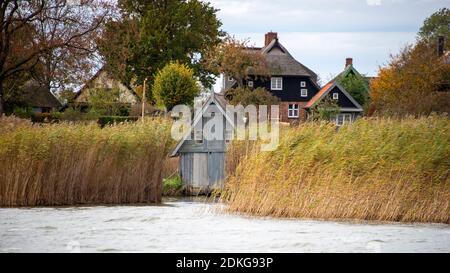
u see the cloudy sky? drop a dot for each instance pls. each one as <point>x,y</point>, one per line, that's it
<point>322,33</point>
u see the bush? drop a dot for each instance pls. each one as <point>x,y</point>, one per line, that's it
<point>374,169</point>
<point>172,186</point>
<point>22,112</point>
<point>106,102</point>
<point>174,85</point>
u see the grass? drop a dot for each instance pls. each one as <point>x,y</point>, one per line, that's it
<point>375,169</point>
<point>172,186</point>
<point>70,164</point>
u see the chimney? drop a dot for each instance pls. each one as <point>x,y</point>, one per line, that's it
<point>269,37</point>
<point>441,45</point>
<point>348,61</point>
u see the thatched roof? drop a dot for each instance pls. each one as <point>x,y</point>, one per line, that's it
<point>37,95</point>
<point>282,63</point>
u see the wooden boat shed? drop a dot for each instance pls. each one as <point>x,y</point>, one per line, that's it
<point>202,161</point>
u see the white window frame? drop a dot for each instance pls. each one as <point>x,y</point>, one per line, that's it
<point>346,118</point>
<point>250,84</point>
<point>302,84</point>
<point>293,111</point>
<point>276,83</point>
<point>335,96</point>
<point>230,78</point>
<point>304,92</point>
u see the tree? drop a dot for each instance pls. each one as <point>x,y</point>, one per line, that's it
<point>416,81</point>
<point>71,65</point>
<point>438,24</point>
<point>258,96</point>
<point>174,85</point>
<point>66,96</point>
<point>20,47</point>
<point>234,58</point>
<point>357,87</point>
<point>149,34</point>
<point>105,102</point>
<point>326,109</point>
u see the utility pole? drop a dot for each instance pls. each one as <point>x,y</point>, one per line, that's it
<point>143,100</point>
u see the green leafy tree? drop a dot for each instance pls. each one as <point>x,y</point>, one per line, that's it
<point>66,96</point>
<point>150,34</point>
<point>357,87</point>
<point>245,96</point>
<point>436,25</point>
<point>174,85</point>
<point>106,102</point>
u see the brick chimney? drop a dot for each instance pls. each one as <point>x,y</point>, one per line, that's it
<point>348,61</point>
<point>269,37</point>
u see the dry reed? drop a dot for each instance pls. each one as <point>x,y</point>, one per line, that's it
<point>69,164</point>
<point>375,169</point>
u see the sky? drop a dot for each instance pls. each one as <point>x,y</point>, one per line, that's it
<point>321,34</point>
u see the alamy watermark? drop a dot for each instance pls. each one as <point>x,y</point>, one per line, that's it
<point>233,123</point>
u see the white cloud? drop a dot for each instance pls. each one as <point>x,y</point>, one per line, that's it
<point>322,33</point>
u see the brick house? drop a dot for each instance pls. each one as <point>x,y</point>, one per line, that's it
<point>294,84</point>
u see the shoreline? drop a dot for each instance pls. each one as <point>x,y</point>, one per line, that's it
<point>204,200</point>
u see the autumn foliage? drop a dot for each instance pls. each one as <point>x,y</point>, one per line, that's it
<point>236,58</point>
<point>416,81</point>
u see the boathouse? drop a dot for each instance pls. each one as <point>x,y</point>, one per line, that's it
<point>202,157</point>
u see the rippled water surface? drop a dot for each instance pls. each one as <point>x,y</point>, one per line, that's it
<point>195,226</point>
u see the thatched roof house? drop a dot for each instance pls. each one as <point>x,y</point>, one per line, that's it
<point>39,98</point>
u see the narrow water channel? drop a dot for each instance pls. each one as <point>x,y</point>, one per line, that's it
<point>183,225</point>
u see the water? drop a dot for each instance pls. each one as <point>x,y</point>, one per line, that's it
<point>195,226</point>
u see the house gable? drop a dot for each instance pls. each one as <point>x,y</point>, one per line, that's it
<point>351,70</point>
<point>345,101</point>
<point>102,80</point>
<point>214,104</point>
<point>296,78</point>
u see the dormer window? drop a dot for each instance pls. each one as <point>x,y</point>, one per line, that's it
<point>335,96</point>
<point>230,78</point>
<point>276,83</point>
<point>250,84</point>
<point>302,84</point>
<point>304,93</point>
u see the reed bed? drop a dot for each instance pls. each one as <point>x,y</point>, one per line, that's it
<point>375,169</point>
<point>71,164</point>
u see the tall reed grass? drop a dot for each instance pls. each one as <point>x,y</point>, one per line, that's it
<point>375,169</point>
<point>69,164</point>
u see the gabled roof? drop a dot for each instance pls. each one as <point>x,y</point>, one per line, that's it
<point>88,84</point>
<point>37,95</point>
<point>282,63</point>
<point>327,89</point>
<point>216,99</point>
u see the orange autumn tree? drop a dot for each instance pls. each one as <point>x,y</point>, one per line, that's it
<point>235,58</point>
<point>416,82</point>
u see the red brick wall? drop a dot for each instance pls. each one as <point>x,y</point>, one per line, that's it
<point>284,106</point>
